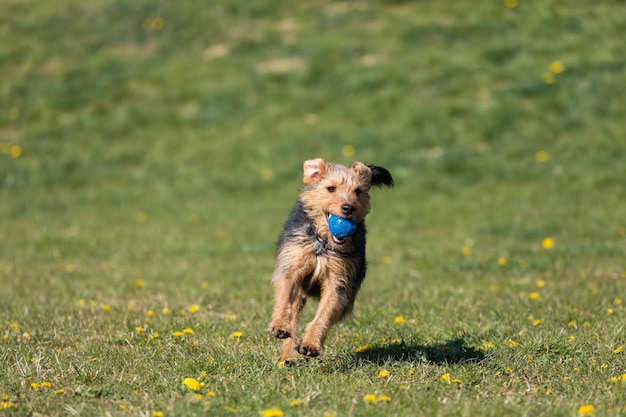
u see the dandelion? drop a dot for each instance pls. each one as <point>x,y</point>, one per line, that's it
<point>501,261</point>
<point>211,394</point>
<point>619,349</point>
<point>15,151</point>
<point>166,311</point>
<point>230,317</point>
<point>399,319</point>
<point>266,174</point>
<point>556,67</point>
<point>586,410</point>
<point>59,392</point>
<point>537,322</point>
<point>534,296</point>
<point>571,323</point>
<point>272,412</point>
<point>157,414</point>
<point>140,283</point>
<point>142,217</point>
<point>448,379</point>
<point>541,283</point>
<point>542,157</point>
<point>188,330</point>
<point>154,336</point>
<point>384,398</point>
<point>383,373</point>
<point>204,285</point>
<point>14,326</point>
<point>547,243</point>
<point>512,343</point>
<point>510,4</point>
<point>466,250</point>
<point>347,151</point>
<point>366,347</point>
<point>387,260</point>
<point>621,378</point>
<point>149,313</point>
<point>34,386</point>
<point>237,335</point>
<point>193,308</point>
<point>370,398</point>
<point>295,403</point>
<point>548,78</point>
<point>193,384</point>
<point>178,334</point>
<point>106,308</point>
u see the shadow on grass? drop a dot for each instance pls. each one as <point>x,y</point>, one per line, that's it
<point>452,351</point>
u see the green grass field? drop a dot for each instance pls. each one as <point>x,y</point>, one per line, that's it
<point>151,150</point>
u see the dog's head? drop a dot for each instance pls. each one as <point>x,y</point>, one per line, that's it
<point>334,189</point>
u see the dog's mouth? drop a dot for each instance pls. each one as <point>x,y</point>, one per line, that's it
<point>335,239</point>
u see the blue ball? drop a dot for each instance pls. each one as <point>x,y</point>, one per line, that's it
<point>341,228</point>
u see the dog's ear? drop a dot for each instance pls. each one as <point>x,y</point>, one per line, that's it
<point>380,176</point>
<point>313,170</point>
<point>364,172</point>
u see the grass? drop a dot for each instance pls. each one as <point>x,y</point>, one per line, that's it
<point>150,151</point>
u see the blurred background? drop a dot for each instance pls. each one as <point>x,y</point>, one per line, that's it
<point>176,131</point>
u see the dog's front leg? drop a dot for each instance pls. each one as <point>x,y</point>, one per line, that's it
<point>332,307</point>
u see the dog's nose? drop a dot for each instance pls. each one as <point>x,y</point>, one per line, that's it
<point>347,209</point>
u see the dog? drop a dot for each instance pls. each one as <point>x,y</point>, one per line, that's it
<point>312,262</point>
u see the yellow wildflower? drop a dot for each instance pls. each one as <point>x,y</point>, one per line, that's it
<point>140,283</point>
<point>586,410</point>
<point>370,398</point>
<point>193,384</point>
<point>384,398</point>
<point>157,414</point>
<point>619,349</point>
<point>399,319</point>
<point>266,174</point>
<point>193,308</point>
<point>188,330</point>
<point>383,373</point>
<point>534,296</point>
<point>237,335</point>
<point>547,243</point>
<point>178,334</point>
<point>348,151</point>
<point>542,157</point>
<point>272,412</point>
<point>557,67</point>
<point>364,348</point>
<point>501,261</point>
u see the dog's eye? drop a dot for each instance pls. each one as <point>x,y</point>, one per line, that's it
<point>331,189</point>
<point>357,191</point>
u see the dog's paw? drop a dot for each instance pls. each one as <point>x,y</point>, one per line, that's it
<point>310,351</point>
<point>279,333</point>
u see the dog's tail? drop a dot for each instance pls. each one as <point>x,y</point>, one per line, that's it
<point>380,176</point>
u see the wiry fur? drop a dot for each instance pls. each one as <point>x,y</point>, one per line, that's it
<point>312,263</point>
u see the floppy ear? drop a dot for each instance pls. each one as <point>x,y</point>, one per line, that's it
<point>364,172</point>
<point>380,176</point>
<point>313,170</point>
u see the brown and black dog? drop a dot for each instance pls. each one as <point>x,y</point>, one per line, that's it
<point>311,262</point>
